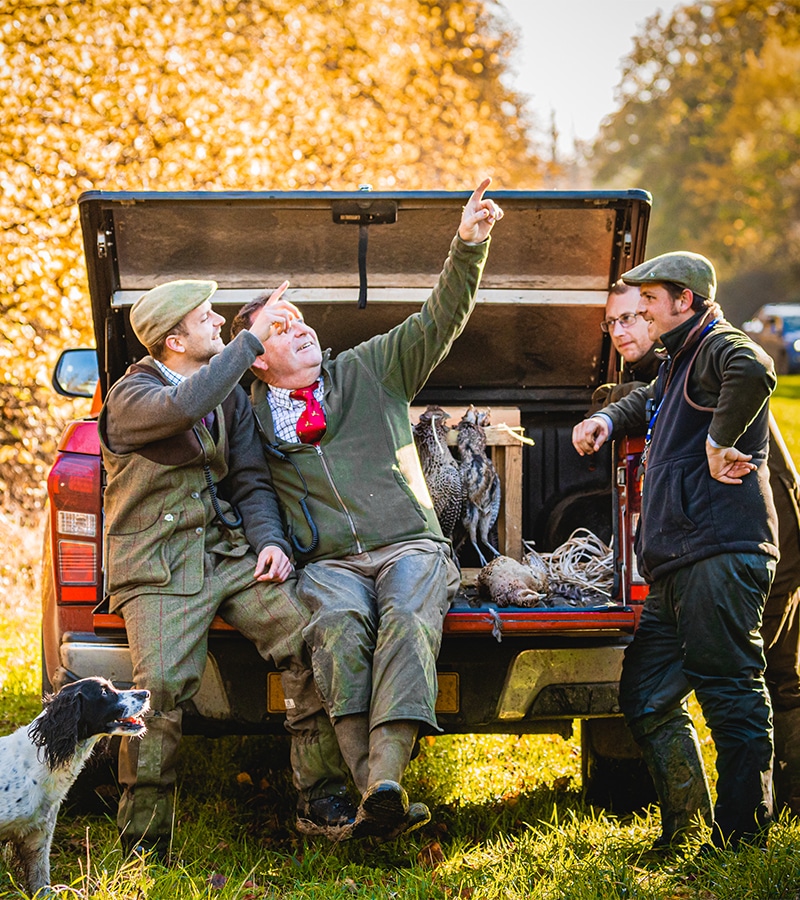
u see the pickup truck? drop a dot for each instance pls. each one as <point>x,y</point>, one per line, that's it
<point>358,263</point>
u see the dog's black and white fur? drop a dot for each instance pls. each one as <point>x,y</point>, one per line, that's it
<point>40,762</point>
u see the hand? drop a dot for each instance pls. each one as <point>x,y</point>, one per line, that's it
<point>589,435</point>
<point>727,464</point>
<point>479,215</point>
<point>273,316</point>
<point>273,565</point>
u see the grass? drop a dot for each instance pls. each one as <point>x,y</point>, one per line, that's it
<point>509,818</point>
<point>785,405</point>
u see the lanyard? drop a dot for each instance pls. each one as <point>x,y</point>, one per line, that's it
<point>654,415</point>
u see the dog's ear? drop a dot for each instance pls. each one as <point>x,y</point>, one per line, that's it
<point>55,731</point>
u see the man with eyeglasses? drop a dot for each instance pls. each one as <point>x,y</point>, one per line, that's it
<point>707,546</point>
<point>628,333</point>
<point>780,629</point>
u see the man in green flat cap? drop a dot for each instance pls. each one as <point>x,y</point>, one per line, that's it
<point>193,530</point>
<point>707,545</point>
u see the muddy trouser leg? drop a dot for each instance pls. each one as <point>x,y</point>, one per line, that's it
<point>653,691</point>
<point>341,639</point>
<point>729,684</point>
<point>375,637</point>
<point>781,634</point>
<point>168,642</point>
<point>272,616</point>
<point>716,605</point>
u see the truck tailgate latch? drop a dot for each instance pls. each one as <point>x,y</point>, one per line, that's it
<point>364,213</point>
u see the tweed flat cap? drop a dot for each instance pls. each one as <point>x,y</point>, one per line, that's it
<point>159,310</point>
<point>689,270</point>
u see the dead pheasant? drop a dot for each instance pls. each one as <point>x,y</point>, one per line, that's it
<point>480,480</point>
<point>439,467</point>
<point>506,582</point>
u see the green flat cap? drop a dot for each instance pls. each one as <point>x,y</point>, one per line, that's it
<point>158,311</point>
<point>689,270</point>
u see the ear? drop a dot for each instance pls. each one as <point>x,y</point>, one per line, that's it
<point>174,342</point>
<point>685,300</point>
<point>260,365</point>
<point>55,731</point>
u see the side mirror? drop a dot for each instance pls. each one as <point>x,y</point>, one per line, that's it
<point>76,373</point>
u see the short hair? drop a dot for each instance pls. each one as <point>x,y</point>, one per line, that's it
<point>244,318</point>
<point>675,290</point>
<point>159,349</point>
<point>619,287</point>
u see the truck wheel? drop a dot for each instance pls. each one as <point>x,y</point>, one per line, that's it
<point>614,774</point>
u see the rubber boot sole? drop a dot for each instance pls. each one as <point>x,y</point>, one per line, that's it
<point>383,810</point>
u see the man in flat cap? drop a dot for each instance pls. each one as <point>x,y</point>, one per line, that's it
<point>193,530</point>
<point>707,545</point>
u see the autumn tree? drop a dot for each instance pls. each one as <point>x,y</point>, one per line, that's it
<point>708,121</point>
<point>212,95</point>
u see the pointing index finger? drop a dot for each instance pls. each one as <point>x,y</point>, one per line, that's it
<point>278,292</point>
<point>480,190</point>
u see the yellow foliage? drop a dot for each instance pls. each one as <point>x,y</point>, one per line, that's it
<point>220,95</point>
<point>709,121</point>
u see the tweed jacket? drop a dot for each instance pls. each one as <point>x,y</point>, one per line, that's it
<point>159,519</point>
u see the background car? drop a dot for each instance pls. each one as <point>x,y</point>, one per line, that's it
<point>776,326</point>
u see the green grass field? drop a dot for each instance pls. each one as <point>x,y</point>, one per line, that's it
<point>509,819</point>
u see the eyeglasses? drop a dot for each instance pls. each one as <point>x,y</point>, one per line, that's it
<point>626,320</point>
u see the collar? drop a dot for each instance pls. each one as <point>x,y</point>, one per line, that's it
<point>683,334</point>
<point>172,376</point>
<point>282,397</point>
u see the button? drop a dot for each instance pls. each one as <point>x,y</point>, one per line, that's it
<point>169,517</point>
<point>198,530</point>
<point>195,495</point>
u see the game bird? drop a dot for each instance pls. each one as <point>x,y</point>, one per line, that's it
<point>439,467</point>
<point>506,582</point>
<point>480,481</point>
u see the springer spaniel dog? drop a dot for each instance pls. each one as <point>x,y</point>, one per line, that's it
<point>39,763</point>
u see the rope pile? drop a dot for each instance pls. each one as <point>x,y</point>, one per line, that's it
<point>580,572</point>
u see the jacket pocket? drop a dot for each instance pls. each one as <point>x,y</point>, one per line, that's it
<point>676,511</point>
<point>409,492</point>
<point>143,557</point>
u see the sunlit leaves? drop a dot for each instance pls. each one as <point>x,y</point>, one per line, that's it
<point>219,95</point>
<point>708,121</point>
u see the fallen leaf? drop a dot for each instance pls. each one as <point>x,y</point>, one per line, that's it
<point>217,881</point>
<point>431,855</point>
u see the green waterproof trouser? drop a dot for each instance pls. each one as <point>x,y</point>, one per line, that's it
<point>168,638</point>
<point>376,630</point>
<point>699,631</point>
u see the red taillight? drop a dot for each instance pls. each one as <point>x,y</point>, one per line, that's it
<point>74,484</point>
<point>74,490</point>
<point>629,504</point>
<point>77,562</point>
